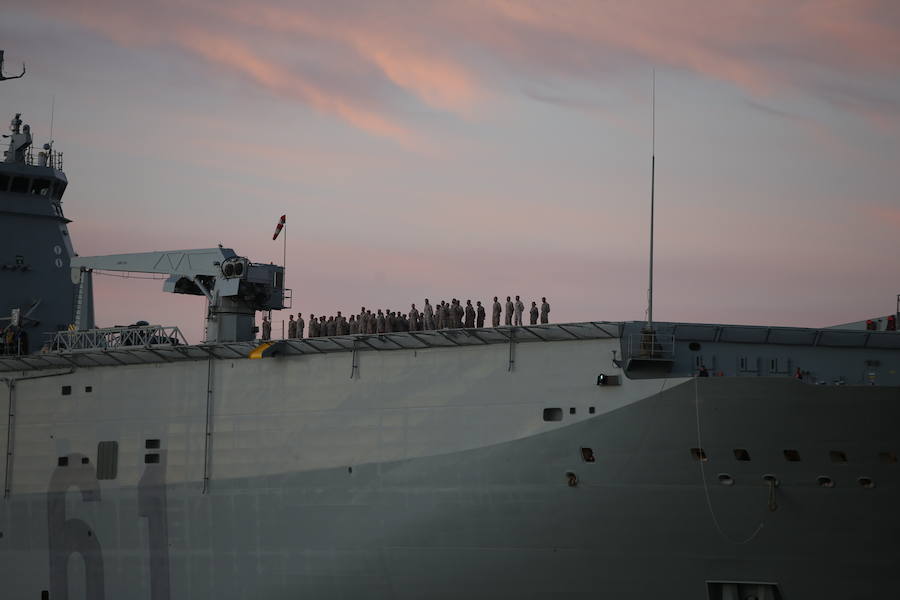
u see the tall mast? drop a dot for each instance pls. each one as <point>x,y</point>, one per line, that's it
<point>652,198</point>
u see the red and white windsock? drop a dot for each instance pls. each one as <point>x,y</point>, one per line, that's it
<point>280,226</point>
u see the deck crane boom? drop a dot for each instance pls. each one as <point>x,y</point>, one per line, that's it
<point>235,288</point>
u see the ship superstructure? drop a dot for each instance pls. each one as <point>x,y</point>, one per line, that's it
<point>578,460</point>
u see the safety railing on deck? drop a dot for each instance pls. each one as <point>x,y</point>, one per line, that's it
<point>650,346</point>
<point>44,158</point>
<point>145,336</point>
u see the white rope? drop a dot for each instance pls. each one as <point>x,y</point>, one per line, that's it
<point>712,513</point>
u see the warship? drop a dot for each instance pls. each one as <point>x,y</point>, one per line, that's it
<point>627,460</point>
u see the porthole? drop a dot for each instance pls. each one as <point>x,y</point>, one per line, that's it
<point>592,410</point>
<point>571,479</point>
<point>694,346</point>
<point>741,454</point>
<point>770,479</point>
<point>699,454</point>
<point>726,479</point>
<point>825,482</point>
<point>866,482</point>
<point>838,457</point>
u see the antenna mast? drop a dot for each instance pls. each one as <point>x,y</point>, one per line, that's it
<point>652,198</point>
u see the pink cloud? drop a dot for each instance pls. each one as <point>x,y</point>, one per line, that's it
<point>448,55</point>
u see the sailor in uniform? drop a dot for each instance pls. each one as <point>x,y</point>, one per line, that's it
<point>470,315</point>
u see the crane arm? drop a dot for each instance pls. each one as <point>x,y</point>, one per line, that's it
<point>188,263</point>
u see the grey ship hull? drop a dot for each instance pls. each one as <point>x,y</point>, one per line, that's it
<point>432,474</point>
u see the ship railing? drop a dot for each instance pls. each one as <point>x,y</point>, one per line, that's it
<point>109,338</point>
<point>649,345</point>
<point>44,158</point>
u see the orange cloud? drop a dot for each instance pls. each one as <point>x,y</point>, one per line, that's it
<point>451,56</point>
<point>235,55</point>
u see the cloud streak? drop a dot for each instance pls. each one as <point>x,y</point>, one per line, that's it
<point>372,64</point>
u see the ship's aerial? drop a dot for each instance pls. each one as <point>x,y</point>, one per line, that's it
<point>446,456</point>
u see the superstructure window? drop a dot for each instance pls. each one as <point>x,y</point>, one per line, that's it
<point>19,185</point>
<point>107,460</point>
<point>67,390</point>
<point>41,187</point>
<point>151,459</point>
<point>699,454</point>
<point>792,455</point>
<point>151,444</point>
<point>742,454</point>
<point>838,456</point>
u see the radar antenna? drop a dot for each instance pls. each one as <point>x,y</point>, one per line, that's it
<point>5,77</point>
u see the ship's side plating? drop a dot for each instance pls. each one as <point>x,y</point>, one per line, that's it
<point>434,473</point>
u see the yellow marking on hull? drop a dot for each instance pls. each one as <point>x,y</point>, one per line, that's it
<point>258,351</point>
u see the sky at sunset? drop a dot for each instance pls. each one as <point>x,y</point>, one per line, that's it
<point>477,148</point>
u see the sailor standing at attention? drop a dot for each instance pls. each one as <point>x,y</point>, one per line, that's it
<point>534,312</point>
<point>292,327</point>
<point>439,315</point>
<point>480,315</point>
<point>413,318</point>
<point>379,322</point>
<point>545,310</point>
<point>301,325</point>
<point>470,315</point>
<point>353,325</point>
<point>266,329</point>
<point>519,309</point>
<point>509,311</point>
<point>495,313</point>
<point>313,326</point>
<point>428,313</point>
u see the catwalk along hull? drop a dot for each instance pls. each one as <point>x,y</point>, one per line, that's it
<point>433,473</point>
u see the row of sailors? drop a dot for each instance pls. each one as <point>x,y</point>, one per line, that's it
<point>445,315</point>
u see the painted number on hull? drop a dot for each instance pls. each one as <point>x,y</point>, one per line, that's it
<point>68,536</point>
